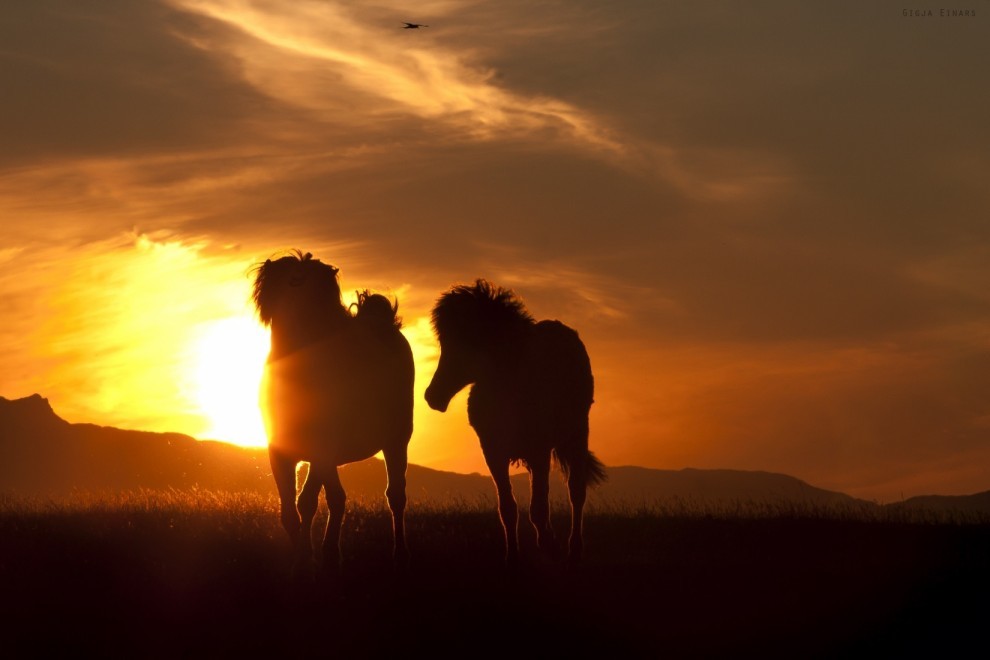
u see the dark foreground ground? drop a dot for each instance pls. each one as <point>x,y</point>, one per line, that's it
<point>149,577</point>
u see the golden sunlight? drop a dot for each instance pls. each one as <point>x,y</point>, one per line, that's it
<point>229,361</point>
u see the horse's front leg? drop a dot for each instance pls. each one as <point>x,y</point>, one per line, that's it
<point>539,503</point>
<point>306,504</point>
<point>284,471</point>
<point>396,461</point>
<point>336,502</point>
<point>507,509</point>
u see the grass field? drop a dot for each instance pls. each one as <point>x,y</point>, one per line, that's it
<point>199,573</point>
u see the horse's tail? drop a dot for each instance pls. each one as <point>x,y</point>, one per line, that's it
<point>594,469</point>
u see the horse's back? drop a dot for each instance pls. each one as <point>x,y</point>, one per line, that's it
<point>398,386</point>
<point>559,367</point>
<point>383,371</point>
<point>555,389</point>
<point>344,400</point>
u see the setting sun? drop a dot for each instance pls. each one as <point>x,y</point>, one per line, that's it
<point>229,362</point>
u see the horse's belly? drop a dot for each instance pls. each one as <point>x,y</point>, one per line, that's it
<point>520,428</point>
<point>313,417</point>
<point>324,444</point>
<point>335,440</point>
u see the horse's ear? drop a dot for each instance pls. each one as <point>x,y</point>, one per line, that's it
<point>268,262</point>
<point>307,256</point>
<point>334,269</point>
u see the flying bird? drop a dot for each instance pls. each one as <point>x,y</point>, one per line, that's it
<point>413,26</point>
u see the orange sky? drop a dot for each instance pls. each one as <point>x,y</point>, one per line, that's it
<point>770,226</point>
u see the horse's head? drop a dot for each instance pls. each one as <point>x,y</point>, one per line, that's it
<point>295,286</point>
<point>458,367</point>
<point>376,311</point>
<point>477,327</point>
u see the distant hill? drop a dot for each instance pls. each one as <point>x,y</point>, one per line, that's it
<point>978,503</point>
<point>41,454</point>
<point>638,485</point>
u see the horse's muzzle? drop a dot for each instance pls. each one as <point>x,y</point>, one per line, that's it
<point>434,401</point>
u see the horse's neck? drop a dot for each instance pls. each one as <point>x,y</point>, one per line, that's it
<point>288,338</point>
<point>509,351</point>
<point>501,365</point>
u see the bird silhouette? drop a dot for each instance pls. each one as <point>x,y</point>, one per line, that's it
<point>413,26</point>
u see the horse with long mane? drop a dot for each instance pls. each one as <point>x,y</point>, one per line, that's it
<point>338,389</point>
<point>529,403</point>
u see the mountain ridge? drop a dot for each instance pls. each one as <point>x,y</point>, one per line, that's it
<point>42,454</point>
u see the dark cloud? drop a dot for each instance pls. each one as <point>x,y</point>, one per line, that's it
<point>115,78</point>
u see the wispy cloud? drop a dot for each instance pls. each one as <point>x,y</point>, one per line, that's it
<point>315,55</point>
<point>583,294</point>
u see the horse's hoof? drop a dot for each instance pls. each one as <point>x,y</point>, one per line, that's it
<point>331,564</point>
<point>400,563</point>
<point>512,564</point>
<point>304,575</point>
<point>330,575</point>
<point>303,570</point>
<point>550,550</point>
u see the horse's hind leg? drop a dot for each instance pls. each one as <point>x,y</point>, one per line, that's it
<point>396,461</point>
<point>336,502</point>
<point>507,509</point>
<point>539,503</point>
<point>577,486</point>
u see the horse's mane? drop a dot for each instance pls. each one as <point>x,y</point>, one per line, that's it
<point>479,312</point>
<point>273,274</point>
<point>377,310</point>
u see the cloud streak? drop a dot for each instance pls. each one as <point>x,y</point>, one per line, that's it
<point>305,53</point>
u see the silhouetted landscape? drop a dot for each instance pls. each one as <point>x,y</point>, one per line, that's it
<point>42,455</point>
<point>173,546</point>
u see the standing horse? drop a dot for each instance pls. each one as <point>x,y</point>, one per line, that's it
<point>530,400</point>
<point>339,389</point>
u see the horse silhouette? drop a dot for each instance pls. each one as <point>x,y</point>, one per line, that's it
<point>529,403</point>
<point>338,389</point>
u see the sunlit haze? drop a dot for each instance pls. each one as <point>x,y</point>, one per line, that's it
<point>228,363</point>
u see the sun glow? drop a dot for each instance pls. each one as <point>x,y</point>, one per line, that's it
<point>229,363</point>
